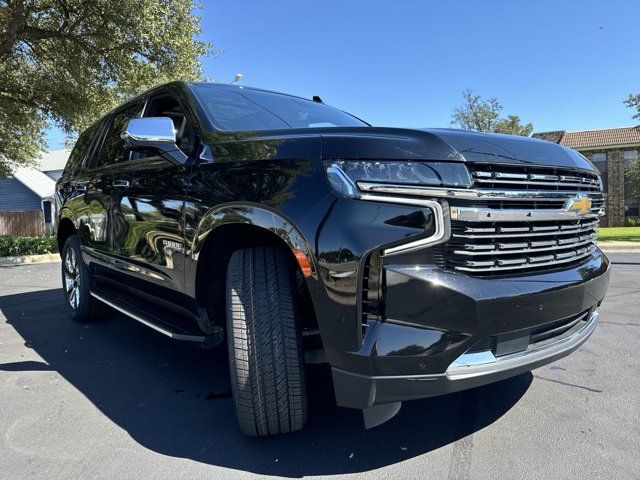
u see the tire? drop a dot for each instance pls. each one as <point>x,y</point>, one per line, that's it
<point>265,347</point>
<point>76,284</point>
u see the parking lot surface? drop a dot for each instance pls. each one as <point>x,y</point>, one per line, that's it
<point>115,399</point>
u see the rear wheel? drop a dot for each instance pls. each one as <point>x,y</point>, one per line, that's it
<point>76,283</point>
<point>265,348</point>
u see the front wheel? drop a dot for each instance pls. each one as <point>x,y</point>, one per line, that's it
<point>265,348</point>
<point>76,283</point>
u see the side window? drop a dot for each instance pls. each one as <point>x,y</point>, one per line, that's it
<point>80,150</point>
<point>113,150</point>
<point>168,106</point>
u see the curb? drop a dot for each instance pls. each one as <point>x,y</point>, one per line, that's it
<point>28,259</point>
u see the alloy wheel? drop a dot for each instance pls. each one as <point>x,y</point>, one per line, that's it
<point>72,278</point>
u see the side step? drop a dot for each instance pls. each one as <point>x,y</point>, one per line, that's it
<point>159,320</point>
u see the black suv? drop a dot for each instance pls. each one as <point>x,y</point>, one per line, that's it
<point>414,262</point>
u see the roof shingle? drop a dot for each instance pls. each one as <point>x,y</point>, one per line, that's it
<point>607,137</point>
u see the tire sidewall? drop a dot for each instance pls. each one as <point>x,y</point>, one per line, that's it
<point>85,309</point>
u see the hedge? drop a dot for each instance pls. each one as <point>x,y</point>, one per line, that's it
<point>17,246</point>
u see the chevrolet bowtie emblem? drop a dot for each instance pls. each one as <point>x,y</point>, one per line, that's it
<point>580,204</point>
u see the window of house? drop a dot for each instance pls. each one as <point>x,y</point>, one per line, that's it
<point>629,156</point>
<point>599,160</point>
<point>631,204</point>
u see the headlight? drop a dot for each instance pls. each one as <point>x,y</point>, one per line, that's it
<point>344,175</point>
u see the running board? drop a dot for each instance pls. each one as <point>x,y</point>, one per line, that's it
<point>146,315</point>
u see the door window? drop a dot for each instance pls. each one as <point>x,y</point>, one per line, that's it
<point>113,150</point>
<point>168,106</point>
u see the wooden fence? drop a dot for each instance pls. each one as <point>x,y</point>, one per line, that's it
<point>28,223</point>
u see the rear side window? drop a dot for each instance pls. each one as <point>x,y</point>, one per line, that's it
<point>80,150</point>
<point>113,150</point>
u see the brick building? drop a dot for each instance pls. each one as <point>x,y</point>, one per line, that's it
<point>610,150</point>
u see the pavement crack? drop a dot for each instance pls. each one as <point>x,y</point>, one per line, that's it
<point>567,384</point>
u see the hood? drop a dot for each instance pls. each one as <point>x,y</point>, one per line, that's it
<point>447,144</point>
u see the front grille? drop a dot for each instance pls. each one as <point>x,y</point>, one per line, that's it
<point>506,177</point>
<point>522,234</point>
<point>495,247</point>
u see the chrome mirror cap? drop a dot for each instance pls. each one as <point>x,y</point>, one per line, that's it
<point>150,129</point>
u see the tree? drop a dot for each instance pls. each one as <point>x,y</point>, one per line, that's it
<point>632,177</point>
<point>484,116</point>
<point>69,61</point>
<point>634,102</point>
<point>632,173</point>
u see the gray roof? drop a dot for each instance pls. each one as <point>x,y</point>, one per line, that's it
<point>53,160</point>
<point>36,181</point>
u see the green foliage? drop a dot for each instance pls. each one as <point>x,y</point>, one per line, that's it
<point>484,116</point>
<point>70,61</point>
<point>18,246</point>
<point>632,177</point>
<point>632,221</point>
<point>626,234</point>
<point>634,102</point>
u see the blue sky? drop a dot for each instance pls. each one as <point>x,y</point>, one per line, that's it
<point>558,64</point>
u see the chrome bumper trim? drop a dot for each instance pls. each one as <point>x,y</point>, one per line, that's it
<point>472,365</point>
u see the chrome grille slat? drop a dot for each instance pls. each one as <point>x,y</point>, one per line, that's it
<point>583,229</point>
<point>503,251</point>
<point>552,263</point>
<point>537,183</point>
<point>519,177</point>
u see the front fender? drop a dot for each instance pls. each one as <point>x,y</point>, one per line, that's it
<point>258,216</point>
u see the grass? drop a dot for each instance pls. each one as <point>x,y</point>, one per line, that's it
<point>624,234</point>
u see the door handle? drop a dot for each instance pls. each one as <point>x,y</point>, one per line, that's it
<point>80,187</point>
<point>120,183</point>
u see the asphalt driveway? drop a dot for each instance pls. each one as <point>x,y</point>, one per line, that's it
<point>115,399</point>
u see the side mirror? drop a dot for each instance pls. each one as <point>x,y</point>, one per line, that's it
<point>156,134</point>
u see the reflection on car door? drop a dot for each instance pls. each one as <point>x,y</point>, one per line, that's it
<point>151,240</point>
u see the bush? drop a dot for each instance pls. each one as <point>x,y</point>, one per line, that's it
<point>17,246</point>
<point>632,221</point>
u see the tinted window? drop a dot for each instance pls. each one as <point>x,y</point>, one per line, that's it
<point>113,150</point>
<point>168,106</point>
<point>247,109</point>
<point>80,149</point>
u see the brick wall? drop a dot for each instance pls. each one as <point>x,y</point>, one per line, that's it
<point>615,187</point>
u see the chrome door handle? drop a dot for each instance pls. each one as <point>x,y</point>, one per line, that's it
<point>80,187</point>
<point>121,183</point>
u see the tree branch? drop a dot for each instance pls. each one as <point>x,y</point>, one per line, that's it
<point>11,31</point>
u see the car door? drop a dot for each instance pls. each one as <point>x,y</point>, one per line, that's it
<point>102,221</point>
<point>148,234</point>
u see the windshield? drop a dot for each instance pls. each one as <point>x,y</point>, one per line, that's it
<point>247,109</point>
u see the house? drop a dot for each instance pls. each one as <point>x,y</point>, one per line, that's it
<point>26,197</point>
<point>610,150</point>
<point>52,163</point>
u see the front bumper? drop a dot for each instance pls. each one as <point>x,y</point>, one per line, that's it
<point>468,371</point>
<point>433,319</point>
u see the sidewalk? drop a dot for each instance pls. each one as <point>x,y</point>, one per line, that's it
<point>27,259</point>
<point>618,247</point>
